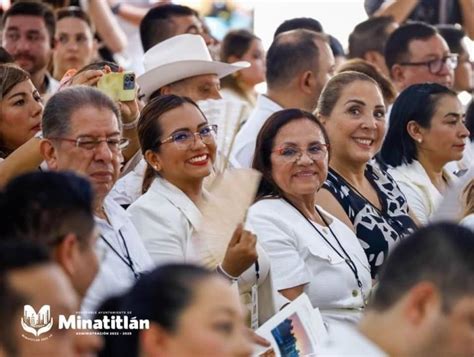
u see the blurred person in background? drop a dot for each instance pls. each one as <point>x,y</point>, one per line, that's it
<point>298,65</point>
<point>426,131</point>
<point>74,41</point>
<point>368,38</point>
<point>242,45</point>
<point>20,120</point>
<point>28,29</point>
<point>417,53</point>
<point>357,191</point>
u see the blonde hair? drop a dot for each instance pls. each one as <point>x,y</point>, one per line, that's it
<point>468,199</point>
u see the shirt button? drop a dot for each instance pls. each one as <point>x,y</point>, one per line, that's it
<point>355,293</point>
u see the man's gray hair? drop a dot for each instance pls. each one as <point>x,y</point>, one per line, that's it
<point>62,105</point>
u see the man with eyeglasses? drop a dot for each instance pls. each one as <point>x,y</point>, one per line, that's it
<point>417,53</point>
<point>83,134</point>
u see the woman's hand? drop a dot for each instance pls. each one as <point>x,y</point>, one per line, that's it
<point>241,252</point>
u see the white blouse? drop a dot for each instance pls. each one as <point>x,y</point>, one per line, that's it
<point>300,256</point>
<point>166,219</point>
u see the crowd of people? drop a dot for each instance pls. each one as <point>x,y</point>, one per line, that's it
<point>359,152</point>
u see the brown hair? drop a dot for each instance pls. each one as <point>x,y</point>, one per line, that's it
<point>468,198</point>
<point>10,76</point>
<point>333,90</point>
<point>359,65</point>
<point>265,143</point>
<point>76,12</point>
<point>150,131</point>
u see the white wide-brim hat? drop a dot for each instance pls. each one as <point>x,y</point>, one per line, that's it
<point>181,57</point>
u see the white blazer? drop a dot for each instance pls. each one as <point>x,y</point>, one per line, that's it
<point>422,196</point>
<point>166,220</point>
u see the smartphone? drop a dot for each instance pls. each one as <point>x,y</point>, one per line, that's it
<point>118,85</point>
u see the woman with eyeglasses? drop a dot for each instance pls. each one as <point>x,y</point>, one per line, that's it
<point>310,250</point>
<point>179,146</point>
<point>21,108</point>
<point>357,190</point>
<point>427,130</point>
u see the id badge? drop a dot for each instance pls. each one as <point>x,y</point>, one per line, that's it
<point>254,314</point>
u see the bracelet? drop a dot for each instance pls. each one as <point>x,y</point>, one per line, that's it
<point>226,275</point>
<point>132,125</point>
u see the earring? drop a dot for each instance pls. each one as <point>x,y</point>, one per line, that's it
<point>420,140</point>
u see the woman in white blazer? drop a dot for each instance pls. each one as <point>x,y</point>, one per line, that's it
<point>179,146</point>
<point>310,250</point>
<point>426,131</point>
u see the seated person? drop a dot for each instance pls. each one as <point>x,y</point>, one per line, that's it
<point>310,250</point>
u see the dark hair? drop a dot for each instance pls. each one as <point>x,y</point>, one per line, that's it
<point>334,87</point>
<point>369,35</point>
<point>418,103</point>
<point>5,57</point>
<point>149,127</point>
<point>359,65</point>
<point>265,142</point>
<point>76,12</point>
<point>46,206</point>
<point>99,65</point>
<point>290,54</point>
<point>15,255</point>
<point>470,119</point>
<point>63,104</point>
<point>296,23</point>
<point>157,25</point>
<point>396,48</point>
<point>453,35</point>
<point>235,43</point>
<point>441,253</point>
<point>33,8</point>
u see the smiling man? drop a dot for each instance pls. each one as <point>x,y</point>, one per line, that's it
<point>27,34</point>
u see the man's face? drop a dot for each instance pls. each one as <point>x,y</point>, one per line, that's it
<point>101,164</point>
<point>45,285</point>
<point>27,39</point>
<point>197,88</point>
<point>433,48</point>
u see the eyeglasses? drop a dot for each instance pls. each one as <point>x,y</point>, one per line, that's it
<point>436,66</point>
<point>184,139</point>
<point>89,143</point>
<point>292,154</point>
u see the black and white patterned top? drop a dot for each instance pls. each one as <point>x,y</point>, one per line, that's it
<point>378,230</point>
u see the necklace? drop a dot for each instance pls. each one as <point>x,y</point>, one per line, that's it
<point>127,260</point>
<point>344,255</point>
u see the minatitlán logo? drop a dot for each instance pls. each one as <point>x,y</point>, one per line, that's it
<point>37,323</point>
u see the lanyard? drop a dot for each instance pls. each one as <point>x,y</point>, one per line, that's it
<point>350,263</point>
<point>127,260</point>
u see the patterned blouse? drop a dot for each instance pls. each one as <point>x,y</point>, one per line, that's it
<point>378,230</point>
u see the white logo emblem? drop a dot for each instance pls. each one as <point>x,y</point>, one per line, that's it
<point>37,323</point>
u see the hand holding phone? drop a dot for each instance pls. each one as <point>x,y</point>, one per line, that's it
<point>120,86</point>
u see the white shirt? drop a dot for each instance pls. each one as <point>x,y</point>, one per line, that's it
<point>114,276</point>
<point>468,221</point>
<point>346,341</point>
<point>422,196</point>
<point>299,256</point>
<point>129,187</point>
<point>244,146</point>
<point>167,219</point>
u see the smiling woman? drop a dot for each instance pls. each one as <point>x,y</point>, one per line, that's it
<point>357,191</point>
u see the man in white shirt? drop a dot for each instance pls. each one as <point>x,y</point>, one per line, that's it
<point>424,302</point>
<point>298,65</point>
